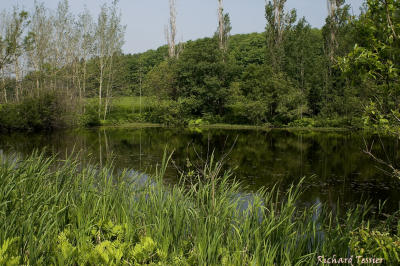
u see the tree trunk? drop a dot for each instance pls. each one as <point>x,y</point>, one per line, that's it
<point>84,83</point>
<point>100,87</point>
<point>221,24</point>
<point>172,29</point>
<point>3,79</point>
<point>17,79</point>
<point>108,87</point>
<point>389,20</point>
<point>332,11</point>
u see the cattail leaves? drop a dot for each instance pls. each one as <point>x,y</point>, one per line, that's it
<point>58,212</point>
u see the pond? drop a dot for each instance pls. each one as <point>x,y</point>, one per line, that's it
<point>333,161</point>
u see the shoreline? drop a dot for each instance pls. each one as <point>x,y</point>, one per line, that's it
<point>228,126</point>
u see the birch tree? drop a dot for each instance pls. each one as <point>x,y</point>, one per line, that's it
<point>109,40</point>
<point>62,24</point>
<point>116,40</point>
<point>11,45</point>
<point>38,41</point>
<point>4,56</point>
<point>17,27</point>
<point>86,27</point>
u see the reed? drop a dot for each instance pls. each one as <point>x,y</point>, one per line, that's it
<point>56,212</point>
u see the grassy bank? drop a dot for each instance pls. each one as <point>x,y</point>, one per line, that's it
<point>133,110</point>
<point>56,212</point>
<point>52,110</point>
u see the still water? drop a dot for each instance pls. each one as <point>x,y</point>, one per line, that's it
<point>333,162</point>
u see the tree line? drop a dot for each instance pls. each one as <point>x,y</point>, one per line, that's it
<point>54,50</point>
<point>344,74</point>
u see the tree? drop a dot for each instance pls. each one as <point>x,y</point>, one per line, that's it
<point>18,24</point>
<point>338,33</point>
<point>160,81</point>
<point>336,26</point>
<point>202,75</point>
<point>11,45</point>
<point>278,23</point>
<point>109,40</point>
<point>332,44</point>
<point>375,60</point>
<point>374,64</point>
<point>38,42</point>
<point>4,56</point>
<point>170,30</point>
<point>86,27</point>
<point>224,27</point>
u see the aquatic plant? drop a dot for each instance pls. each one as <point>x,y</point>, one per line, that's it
<point>58,212</point>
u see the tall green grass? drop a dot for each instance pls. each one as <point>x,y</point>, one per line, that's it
<point>56,212</point>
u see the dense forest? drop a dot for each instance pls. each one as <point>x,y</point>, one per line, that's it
<point>344,74</point>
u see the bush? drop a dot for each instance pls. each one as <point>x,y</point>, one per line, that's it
<point>304,122</point>
<point>336,121</point>
<point>90,118</point>
<point>170,113</point>
<point>372,243</point>
<point>247,112</point>
<point>44,112</point>
<point>107,244</point>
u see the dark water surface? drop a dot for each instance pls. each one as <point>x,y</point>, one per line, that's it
<point>334,162</point>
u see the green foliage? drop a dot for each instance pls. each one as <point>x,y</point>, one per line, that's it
<point>373,118</point>
<point>170,113</point>
<point>8,252</point>
<point>303,122</point>
<point>144,251</point>
<point>372,243</point>
<point>202,74</point>
<point>196,122</point>
<point>277,77</point>
<point>248,112</point>
<point>90,117</point>
<point>44,112</point>
<point>161,80</point>
<point>107,245</point>
<point>375,60</point>
<point>134,70</point>
<point>56,212</point>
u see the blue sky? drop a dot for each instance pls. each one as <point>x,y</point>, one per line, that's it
<point>146,19</point>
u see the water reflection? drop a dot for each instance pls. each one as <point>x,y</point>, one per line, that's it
<point>333,161</point>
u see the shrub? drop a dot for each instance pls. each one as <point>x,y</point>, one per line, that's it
<point>8,252</point>
<point>170,113</point>
<point>196,122</point>
<point>304,122</point>
<point>90,117</point>
<point>372,243</point>
<point>44,112</point>
<point>248,112</point>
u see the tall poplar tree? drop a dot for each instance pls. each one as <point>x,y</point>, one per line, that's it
<point>278,23</point>
<point>170,30</point>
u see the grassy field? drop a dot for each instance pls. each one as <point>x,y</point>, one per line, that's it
<point>125,110</point>
<point>134,104</point>
<point>59,213</point>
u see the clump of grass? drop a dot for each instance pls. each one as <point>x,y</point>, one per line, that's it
<point>58,212</point>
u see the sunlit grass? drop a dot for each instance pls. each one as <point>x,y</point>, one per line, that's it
<point>56,212</point>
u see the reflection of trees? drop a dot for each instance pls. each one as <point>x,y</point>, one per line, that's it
<point>261,158</point>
